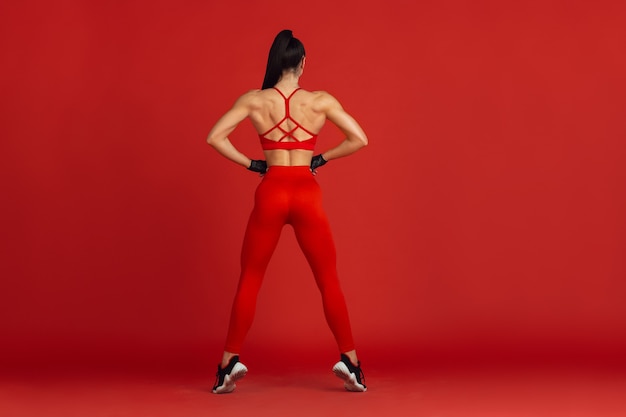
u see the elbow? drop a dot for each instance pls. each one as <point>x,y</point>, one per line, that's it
<point>211,140</point>
<point>363,141</point>
<point>358,141</point>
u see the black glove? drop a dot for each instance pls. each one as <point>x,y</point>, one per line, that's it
<point>317,161</point>
<point>258,165</point>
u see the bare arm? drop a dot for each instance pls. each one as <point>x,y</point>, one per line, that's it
<point>355,136</point>
<point>218,136</point>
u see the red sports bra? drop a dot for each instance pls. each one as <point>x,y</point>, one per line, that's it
<point>269,144</point>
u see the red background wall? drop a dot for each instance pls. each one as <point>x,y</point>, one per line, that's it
<point>485,218</point>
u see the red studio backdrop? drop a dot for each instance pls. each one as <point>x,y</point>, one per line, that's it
<point>486,219</point>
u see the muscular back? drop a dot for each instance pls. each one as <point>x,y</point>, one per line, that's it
<point>267,109</point>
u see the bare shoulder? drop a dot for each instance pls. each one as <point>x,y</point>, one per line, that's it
<point>250,98</point>
<point>324,101</point>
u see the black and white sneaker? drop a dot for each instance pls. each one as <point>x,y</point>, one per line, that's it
<point>226,378</point>
<point>352,375</point>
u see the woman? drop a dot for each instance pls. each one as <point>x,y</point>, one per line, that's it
<point>288,120</point>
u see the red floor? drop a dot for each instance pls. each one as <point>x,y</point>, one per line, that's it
<point>303,391</point>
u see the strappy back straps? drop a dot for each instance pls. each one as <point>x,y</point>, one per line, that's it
<point>288,140</point>
<point>287,99</point>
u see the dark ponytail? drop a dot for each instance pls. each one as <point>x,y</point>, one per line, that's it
<point>286,53</point>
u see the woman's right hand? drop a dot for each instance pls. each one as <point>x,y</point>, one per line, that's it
<point>316,162</point>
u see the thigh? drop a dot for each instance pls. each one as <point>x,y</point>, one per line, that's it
<point>264,226</point>
<point>312,229</point>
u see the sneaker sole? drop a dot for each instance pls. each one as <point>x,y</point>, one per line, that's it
<point>350,382</point>
<point>238,372</point>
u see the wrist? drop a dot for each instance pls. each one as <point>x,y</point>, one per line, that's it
<point>258,165</point>
<point>317,161</point>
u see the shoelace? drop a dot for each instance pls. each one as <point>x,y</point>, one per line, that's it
<point>217,377</point>
<point>361,376</point>
<point>358,372</point>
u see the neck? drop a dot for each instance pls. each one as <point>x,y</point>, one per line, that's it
<point>288,80</point>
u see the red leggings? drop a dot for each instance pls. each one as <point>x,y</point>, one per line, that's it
<point>288,195</point>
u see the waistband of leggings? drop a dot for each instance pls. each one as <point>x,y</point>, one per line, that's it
<point>280,171</point>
